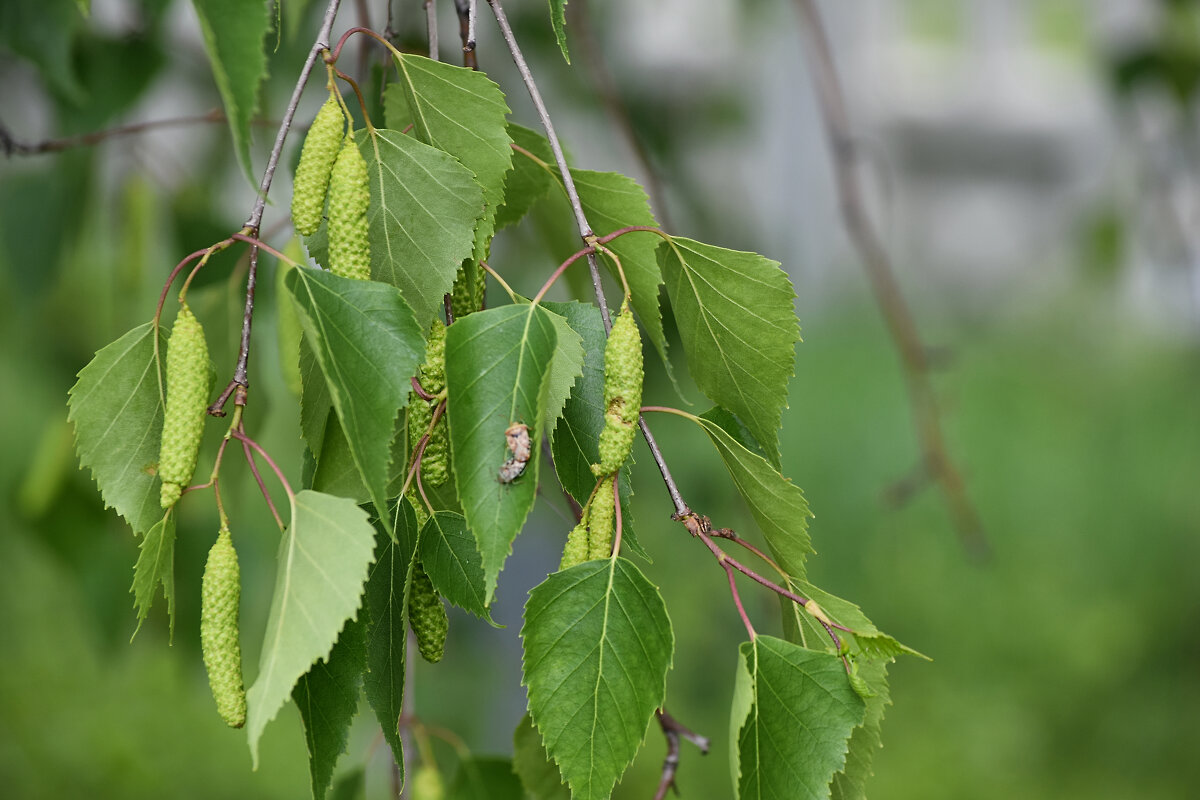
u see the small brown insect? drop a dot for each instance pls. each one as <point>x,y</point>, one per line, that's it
<point>517,439</point>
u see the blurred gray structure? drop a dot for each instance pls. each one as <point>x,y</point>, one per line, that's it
<point>987,135</point>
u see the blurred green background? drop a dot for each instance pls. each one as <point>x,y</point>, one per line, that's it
<point>1067,665</point>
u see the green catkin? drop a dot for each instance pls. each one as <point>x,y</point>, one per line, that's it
<point>316,162</point>
<point>427,616</point>
<point>623,373</point>
<point>600,522</point>
<point>576,549</point>
<point>220,594</point>
<point>187,399</point>
<point>467,296</point>
<point>427,784</point>
<point>435,462</point>
<point>349,197</point>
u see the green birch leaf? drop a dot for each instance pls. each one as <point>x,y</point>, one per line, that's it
<point>316,406</point>
<point>802,712</point>
<point>529,180</point>
<point>566,367</point>
<point>116,407</point>
<point>462,112</point>
<point>867,640</point>
<point>422,217</point>
<point>497,363</point>
<point>368,345</point>
<point>336,473</point>
<point>452,561</point>
<point>558,19</point>
<point>533,765</point>
<point>778,505</point>
<point>155,565</point>
<point>575,444</point>
<point>328,699</point>
<point>387,602</point>
<point>598,645</point>
<point>288,333</point>
<point>851,782</point>
<point>739,712</point>
<point>233,36</point>
<point>484,778</point>
<point>611,201</point>
<point>736,430</point>
<point>738,328</point>
<point>323,561</point>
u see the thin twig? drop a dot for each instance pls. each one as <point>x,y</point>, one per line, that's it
<point>585,230</point>
<point>431,30</point>
<point>240,381</point>
<point>726,533</point>
<point>737,601</point>
<point>888,295</point>
<point>673,730</point>
<point>466,31</point>
<point>242,437</point>
<point>262,487</point>
<point>13,147</point>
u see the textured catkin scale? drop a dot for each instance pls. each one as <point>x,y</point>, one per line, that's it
<point>467,295</point>
<point>427,784</point>
<point>600,523</point>
<point>576,549</point>
<point>349,197</point>
<point>435,462</point>
<point>220,595</point>
<point>187,399</point>
<point>623,373</point>
<point>427,616</point>
<point>316,161</point>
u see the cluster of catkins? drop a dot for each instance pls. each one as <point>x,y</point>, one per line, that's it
<point>188,385</point>
<point>623,373</point>
<point>331,164</point>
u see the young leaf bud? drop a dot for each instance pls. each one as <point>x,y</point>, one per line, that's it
<point>220,594</point>
<point>187,400</point>
<point>316,161</point>
<point>349,197</point>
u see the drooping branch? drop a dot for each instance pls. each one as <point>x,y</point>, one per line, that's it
<point>884,286</point>
<point>240,381</point>
<point>585,229</point>
<point>13,147</point>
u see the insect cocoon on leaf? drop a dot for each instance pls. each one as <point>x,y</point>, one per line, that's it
<point>187,399</point>
<point>516,437</point>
